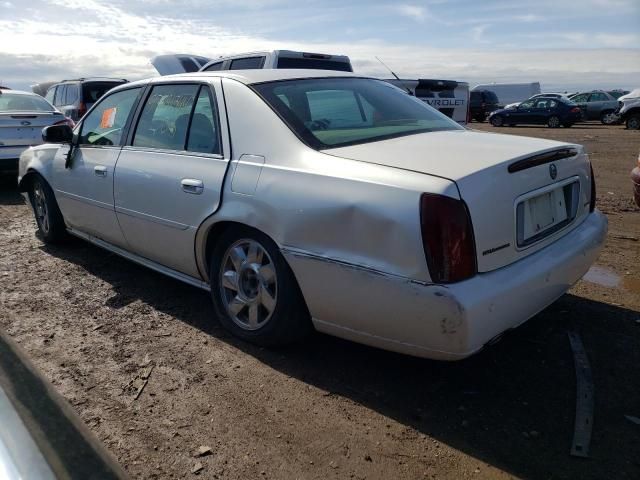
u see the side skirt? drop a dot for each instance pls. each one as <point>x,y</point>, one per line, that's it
<point>145,262</point>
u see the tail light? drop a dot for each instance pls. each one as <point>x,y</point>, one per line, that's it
<point>575,110</point>
<point>447,237</point>
<point>66,121</point>
<point>592,202</point>
<point>82,109</point>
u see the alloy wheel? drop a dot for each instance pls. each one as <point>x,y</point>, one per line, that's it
<point>248,284</point>
<point>40,206</point>
<point>554,122</point>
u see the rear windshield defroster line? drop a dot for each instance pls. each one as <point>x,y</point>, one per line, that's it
<point>341,111</point>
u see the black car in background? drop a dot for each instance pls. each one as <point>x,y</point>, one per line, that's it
<point>549,111</point>
<point>75,97</point>
<point>482,103</point>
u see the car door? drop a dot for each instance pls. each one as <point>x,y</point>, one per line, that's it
<point>522,114</point>
<point>84,185</point>
<point>540,111</point>
<point>169,178</point>
<point>597,102</point>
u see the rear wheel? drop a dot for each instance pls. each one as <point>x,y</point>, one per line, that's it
<point>608,117</point>
<point>633,122</point>
<point>48,216</point>
<point>254,292</point>
<point>553,122</point>
<point>497,121</point>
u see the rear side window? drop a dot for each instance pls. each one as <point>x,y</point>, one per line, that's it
<point>104,125</point>
<point>72,94</point>
<point>204,134</point>
<point>214,67</point>
<point>314,63</point>
<point>164,121</point>
<point>61,92</point>
<point>249,63</point>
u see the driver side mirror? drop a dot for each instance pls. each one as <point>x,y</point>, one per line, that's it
<point>57,134</point>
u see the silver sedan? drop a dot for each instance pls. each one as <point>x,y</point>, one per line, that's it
<point>22,117</point>
<point>310,199</point>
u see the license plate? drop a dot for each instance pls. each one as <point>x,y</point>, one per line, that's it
<point>543,212</point>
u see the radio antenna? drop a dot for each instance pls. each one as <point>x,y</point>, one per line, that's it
<point>394,74</point>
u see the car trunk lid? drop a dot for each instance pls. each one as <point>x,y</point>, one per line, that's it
<point>25,128</point>
<point>515,211</point>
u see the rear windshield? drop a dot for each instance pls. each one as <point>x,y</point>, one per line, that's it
<point>314,63</point>
<point>91,92</point>
<point>15,102</point>
<point>336,112</point>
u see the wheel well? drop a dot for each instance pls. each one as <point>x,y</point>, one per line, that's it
<point>631,112</point>
<point>25,181</point>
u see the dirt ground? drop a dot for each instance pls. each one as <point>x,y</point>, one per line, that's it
<point>97,325</point>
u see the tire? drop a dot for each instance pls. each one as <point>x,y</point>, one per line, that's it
<point>608,117</point>
<point>633,122</point>
<point>553,122</point>
<point>479,118</point>
<point>254,293</point>
<point>497,121</point>
<point>45,208</point>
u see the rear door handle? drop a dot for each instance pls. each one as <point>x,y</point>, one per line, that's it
<point>100,170</point>
<point>191,185</point>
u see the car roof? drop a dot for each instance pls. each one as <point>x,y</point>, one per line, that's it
<point>249,77</point>
<point>93,79</point>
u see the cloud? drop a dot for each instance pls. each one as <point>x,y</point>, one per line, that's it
<point>417,13</point>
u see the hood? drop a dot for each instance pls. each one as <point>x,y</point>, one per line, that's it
<point>632,94</point>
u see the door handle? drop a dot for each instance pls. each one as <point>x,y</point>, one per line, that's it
<point>191,185</point>
<point>100,170</point>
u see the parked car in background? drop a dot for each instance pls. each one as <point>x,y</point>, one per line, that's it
<point>447,96</point>
<point>75,97</point>
<point>172,64</point>
<point>511,92</point>
<point>22,117</point>
<point>597,105</point>
<point>549,111</point>
<point>629,109</point>
<point>552,95</point>
<point>617,93</point>
<point>482,103</point>
<point>334,209</point>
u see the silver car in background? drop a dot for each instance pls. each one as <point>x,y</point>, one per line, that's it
<point>22,117</point>
<point>315,199</point>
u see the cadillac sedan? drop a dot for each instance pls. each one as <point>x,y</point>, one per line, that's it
<point>309,199</point>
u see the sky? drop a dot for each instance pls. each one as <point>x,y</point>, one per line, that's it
<point>564,44</point>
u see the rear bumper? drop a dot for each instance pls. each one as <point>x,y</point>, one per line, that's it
<point>444,322</point>
<point>635,178</point>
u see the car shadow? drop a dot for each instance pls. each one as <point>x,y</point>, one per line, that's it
<point>511,406</point>
<point>9,194</point>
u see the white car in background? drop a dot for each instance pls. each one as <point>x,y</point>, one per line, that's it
<point>315,199</point>
<point>551,95</point>
<point>22,117</point>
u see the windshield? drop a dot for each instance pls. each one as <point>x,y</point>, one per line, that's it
<point>335,112</point>
<point>16,102</point>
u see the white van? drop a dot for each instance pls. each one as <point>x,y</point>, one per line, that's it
<point>447,96</point>
<point>183,63</point>
<point>511,92</point>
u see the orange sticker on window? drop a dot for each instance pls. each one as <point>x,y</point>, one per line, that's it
<point>108,118</point>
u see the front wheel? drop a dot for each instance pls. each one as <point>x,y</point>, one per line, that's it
<point>254,292</point>
<point>633,122</point>
<point>553,122</point>
<point>497,121</point>
<point>48,216</point>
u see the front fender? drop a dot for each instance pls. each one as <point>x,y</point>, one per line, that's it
<point>36,160</point>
